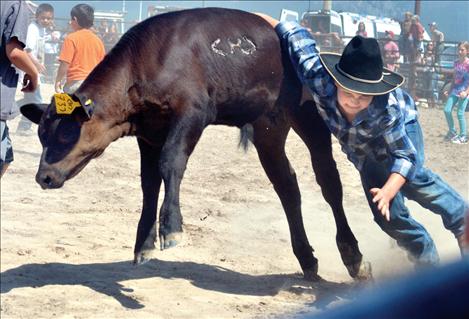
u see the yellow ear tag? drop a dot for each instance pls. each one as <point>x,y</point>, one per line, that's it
<point>64,103</point>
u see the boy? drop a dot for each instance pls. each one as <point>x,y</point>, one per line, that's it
<point>376,124</point>
<point>81,51</point>
<point>13,28</point>
<point>35,42</point>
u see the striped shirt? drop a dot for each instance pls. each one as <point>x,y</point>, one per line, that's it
<point>377,132</point>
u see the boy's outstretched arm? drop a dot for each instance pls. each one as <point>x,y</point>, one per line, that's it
<point>383,196</point>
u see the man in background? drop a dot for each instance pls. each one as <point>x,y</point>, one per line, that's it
<point>438,38</point>
<point>13,28</point>
<point>390,51</point>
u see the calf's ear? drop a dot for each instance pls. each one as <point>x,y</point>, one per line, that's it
<point>33,112</point>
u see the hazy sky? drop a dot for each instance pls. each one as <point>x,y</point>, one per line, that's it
<point>452,16</point>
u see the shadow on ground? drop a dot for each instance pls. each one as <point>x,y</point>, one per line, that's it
<point>105,277</point>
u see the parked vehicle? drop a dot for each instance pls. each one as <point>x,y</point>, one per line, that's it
<point>112,17</point>
<point>350,23</point>
<point>155,10</point>
<point>288,15</point>
<point>448,54</point>
<point>346,24</point>
<point>323,21</point>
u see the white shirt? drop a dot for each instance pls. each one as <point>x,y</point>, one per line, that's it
<point>35,41</point>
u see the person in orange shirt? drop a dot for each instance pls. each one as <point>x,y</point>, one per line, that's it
<point>81,51</point>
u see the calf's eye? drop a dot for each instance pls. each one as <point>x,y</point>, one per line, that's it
<point>67,132</point>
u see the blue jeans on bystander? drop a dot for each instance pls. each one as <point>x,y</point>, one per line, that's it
<point>6,150</point>
<point>452,101</point>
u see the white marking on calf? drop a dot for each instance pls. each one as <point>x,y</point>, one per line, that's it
<point>215,49</point>
<point>244,44</point>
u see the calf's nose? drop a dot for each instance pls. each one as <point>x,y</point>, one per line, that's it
<point>44,180</point>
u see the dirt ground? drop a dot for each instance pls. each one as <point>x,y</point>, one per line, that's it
<point>67,253</point>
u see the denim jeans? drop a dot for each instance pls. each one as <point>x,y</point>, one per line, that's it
<point>462,104</point>
<point>6,150</point>
<point>427,189</point>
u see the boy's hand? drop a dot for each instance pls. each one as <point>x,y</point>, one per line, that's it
<point>383,196</point>
<point>273,22</point>
<point>382,199</point>
<point>58,87</point>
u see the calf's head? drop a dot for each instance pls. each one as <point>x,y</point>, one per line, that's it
<point>70,136</point>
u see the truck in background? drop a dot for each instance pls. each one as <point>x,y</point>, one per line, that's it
<point>154,10</point>
<point>345,24</point>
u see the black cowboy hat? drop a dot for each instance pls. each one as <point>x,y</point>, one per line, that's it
<point>360,68</point>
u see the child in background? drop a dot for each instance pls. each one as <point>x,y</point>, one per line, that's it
<point>35,45</point>
<point>81,51</point>
<point>459,95</point>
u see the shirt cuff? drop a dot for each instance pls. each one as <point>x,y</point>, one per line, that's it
<point>284,27</point>
<point>404,168</point>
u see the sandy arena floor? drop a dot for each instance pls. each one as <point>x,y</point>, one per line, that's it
<point>67,253</point>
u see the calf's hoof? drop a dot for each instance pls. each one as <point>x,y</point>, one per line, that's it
<point>170,240</point>
<point>360,271</point>
<point>311,274</point>
<point>142,257</point>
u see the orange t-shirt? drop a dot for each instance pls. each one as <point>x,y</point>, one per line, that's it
<point>82,50</point>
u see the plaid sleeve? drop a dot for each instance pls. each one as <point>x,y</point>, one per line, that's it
<point>399,145</point>
<point>304,56</point>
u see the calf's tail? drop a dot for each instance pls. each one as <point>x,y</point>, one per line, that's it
<point>246,135</point>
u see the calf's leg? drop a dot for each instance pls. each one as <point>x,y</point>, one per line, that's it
<point>311,128</point>
<point>182,138</point>
<point>269,141</point>
<point>150,181</point>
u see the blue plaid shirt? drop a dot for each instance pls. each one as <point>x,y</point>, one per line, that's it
<point>377,131</point>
